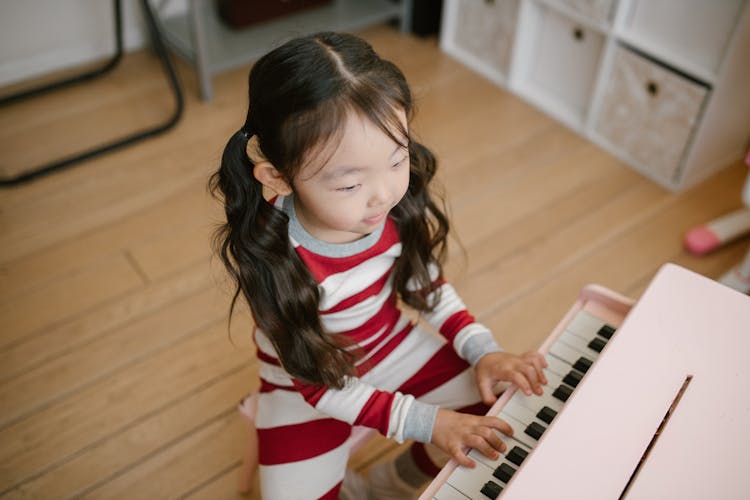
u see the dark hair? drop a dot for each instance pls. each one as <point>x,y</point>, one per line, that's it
<point>299,96</point>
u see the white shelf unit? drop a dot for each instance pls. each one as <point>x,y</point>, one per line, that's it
<point>663,85</point>
<point>206,42</point>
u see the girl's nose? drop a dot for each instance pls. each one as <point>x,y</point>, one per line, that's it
<point>380,195</point>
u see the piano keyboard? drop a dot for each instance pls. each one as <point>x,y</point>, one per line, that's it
<point>684,328</point>
<point>569,358</point>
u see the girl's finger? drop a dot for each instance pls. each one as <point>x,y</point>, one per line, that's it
<point>485,390</point>
<point>480,444</point>
<point>498,424</point>
<point>540,374</point>
<point>463,459</point>
<point>490,436</point>
<point>520,380</point>
<point>540,364</point>
<point>532,375</point>
<point>494,439</point>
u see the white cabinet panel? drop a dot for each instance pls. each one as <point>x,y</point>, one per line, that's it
<point>599,11</point>
<point>695,32</point>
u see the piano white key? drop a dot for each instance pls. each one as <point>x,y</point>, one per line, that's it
<point>468,480</point>
<point>585,325</point>
<point>579,345</point>
<point>557,366</point>
<point>553,379</point>
<point>565,353</point>
<point>519,412</point>
<point>448,492</point>
<point>518,429</point>
<point>536,403</point>
<point>533,426</point>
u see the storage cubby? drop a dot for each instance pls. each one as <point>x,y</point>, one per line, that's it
<point>661,84</point>
<point>648,113</point>
<point>483,35</point>
<point>557,62</point>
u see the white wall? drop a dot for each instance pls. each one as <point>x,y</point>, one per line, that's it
<point>41,36</point>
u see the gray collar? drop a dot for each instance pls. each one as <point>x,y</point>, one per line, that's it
<point>308,241</point>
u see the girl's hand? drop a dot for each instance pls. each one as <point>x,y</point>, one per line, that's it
<point>453,432</point>
<point>525,371</point>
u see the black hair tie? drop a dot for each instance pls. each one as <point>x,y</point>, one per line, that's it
<point>246,134</point>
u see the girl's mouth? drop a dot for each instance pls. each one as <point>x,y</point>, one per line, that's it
<point>375,219</point>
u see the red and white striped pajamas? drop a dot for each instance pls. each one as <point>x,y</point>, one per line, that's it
<point>405,374</point>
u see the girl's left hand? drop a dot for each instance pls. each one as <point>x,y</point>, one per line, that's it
<point>524,370</point>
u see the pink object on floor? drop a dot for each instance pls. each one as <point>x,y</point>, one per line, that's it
<point>701,240</point>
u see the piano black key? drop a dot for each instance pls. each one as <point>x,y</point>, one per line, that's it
<point>535,430</point>
<point>562,393</point>
<point>490,463</point>
<point>581,346</point>
<point>572,378</point>
<point>491,490</point>
<point>504,472</point>
<point>597,344</point>
<point>546,414</point>
<point>606,331</point>
<point>516,455</point>
<point>583,364</point>
<point>518,427</point>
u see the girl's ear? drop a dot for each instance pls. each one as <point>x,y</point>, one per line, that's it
<point>271,178</point>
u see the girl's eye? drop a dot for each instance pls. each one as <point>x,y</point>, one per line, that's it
<point>400,162</point>
<point>348,188</point>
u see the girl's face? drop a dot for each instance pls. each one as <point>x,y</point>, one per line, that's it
<point>351,194</point>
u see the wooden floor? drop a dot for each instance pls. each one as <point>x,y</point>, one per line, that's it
<point>118,375</point>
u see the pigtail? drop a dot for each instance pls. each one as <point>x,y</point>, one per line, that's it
<point>283,296</point>
<point>423,227</point>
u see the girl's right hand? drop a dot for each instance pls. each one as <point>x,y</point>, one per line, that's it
<point>453,432</point>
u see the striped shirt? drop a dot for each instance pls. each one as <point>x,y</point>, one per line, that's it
<point>357,300</point>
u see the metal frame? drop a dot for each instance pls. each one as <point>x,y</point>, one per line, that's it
<point>202,39</point>
<point>161,51</point>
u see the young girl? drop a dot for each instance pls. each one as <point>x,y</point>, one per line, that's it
<point>346,228</point>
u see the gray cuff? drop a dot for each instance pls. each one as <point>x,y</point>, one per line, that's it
<point>477,346</point>
<point>419,422</point>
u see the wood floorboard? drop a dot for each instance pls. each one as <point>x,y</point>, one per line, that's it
<point>64,298</point>
<point>57,340</point>
<point>185,211</point>
<point>115,455</point>
<point>112,403</point>
<point>107,354</point>
<point>119,376</point>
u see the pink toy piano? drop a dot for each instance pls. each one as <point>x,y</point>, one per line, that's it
<point>644,401</point>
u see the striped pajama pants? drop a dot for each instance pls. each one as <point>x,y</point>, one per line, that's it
<point>303,452</point>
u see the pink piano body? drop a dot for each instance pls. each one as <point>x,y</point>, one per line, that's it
<point>684,325</point>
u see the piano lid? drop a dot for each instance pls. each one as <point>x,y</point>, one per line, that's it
<point>684,325</point>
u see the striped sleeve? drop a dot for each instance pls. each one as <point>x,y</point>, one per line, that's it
<point>395,415</point>
<point>471,340</point>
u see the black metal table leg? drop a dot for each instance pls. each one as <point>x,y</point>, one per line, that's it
<point>161,51</point>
